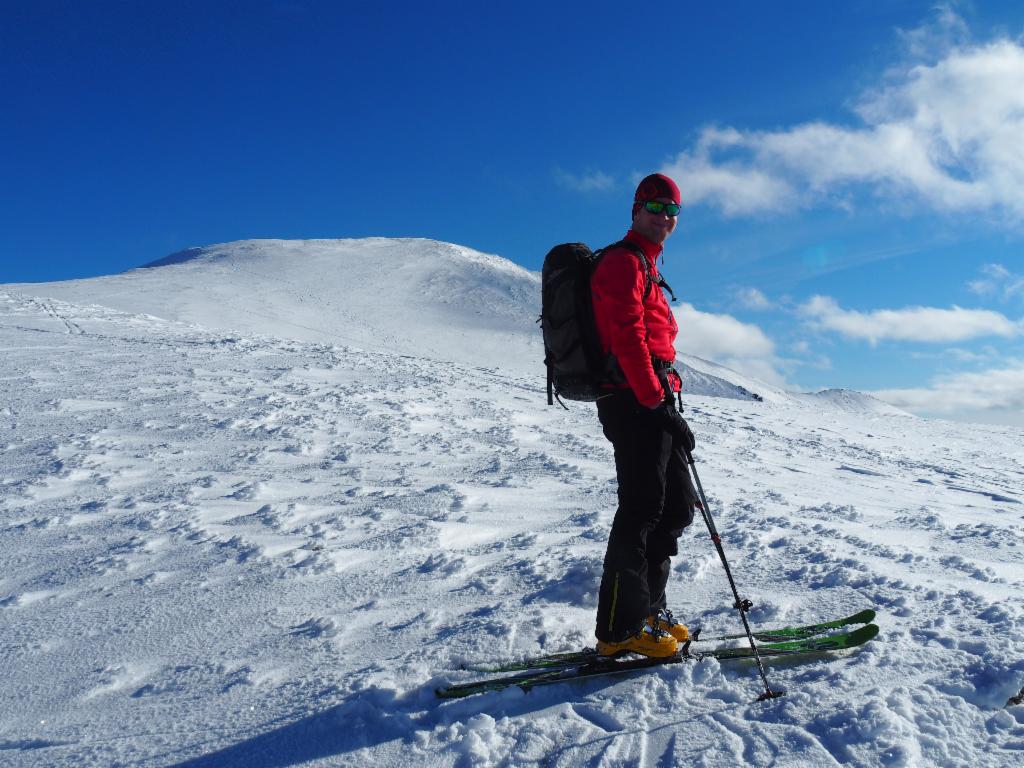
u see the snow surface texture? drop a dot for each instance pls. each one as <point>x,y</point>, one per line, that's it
<point>258,503</point>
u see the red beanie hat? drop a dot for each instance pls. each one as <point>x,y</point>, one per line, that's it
<point>656,185</point>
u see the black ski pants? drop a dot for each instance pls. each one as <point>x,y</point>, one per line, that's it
<point>656,502</point>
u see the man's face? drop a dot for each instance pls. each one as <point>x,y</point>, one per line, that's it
<point>656,227</point>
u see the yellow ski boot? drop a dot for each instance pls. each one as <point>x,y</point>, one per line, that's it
<point>653,643</point>
<point>664,621</point>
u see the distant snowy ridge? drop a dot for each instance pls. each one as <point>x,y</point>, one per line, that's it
<point>405,296</point>
<point>409,297</point>
<point>851,400</point>
<point>703,377</point>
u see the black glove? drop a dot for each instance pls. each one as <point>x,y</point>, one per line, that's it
<point>677,427</point>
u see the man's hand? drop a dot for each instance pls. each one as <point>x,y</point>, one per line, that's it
<point>677,426</point>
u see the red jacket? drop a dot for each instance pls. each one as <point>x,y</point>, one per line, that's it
<point>631,327</point>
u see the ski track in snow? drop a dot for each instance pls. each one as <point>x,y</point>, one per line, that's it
<point>229,549</point>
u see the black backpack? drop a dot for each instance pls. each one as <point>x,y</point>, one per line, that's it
<point>577,366</point>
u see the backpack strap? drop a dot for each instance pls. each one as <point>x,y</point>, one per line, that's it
<point>648,281</point>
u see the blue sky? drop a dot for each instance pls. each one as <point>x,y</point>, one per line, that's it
<point>852,173</point>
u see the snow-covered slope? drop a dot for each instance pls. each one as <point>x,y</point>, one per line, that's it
<point>850,400</point>
<point>404,296</point>
<point>399,296</point>
<point>221,546</point>
<point>704,377</point>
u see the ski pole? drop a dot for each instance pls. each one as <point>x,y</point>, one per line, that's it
<point>741,605</point>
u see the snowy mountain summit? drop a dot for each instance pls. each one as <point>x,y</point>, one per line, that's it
<point>259,500</point>
<point>411,297</point>
<point>406,297</point>
<point>851,400</point>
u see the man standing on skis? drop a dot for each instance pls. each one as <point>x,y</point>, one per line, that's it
<point>640,418</point>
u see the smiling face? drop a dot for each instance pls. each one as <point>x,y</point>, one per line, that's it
<point>656,227</point>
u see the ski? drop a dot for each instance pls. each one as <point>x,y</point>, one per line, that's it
<point>817,644</point>
<point>569,658</point>
<point>533,678</point>
<point>806,630</point>
<point>601,667</point>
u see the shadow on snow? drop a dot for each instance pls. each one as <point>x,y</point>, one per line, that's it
<point>377,716</point>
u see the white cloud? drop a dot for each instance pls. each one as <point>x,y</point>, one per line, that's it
<point>947,135</point>
<point>734,187</point>
<point>804,352</point>
<point>751,298</point>
<point>1000,389</point>
<point>999,281</point>
<point>933,40</point>
<point>591,181</point>
<point>924,324</point>
<point>985,355</point>
<point>725,340</point>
